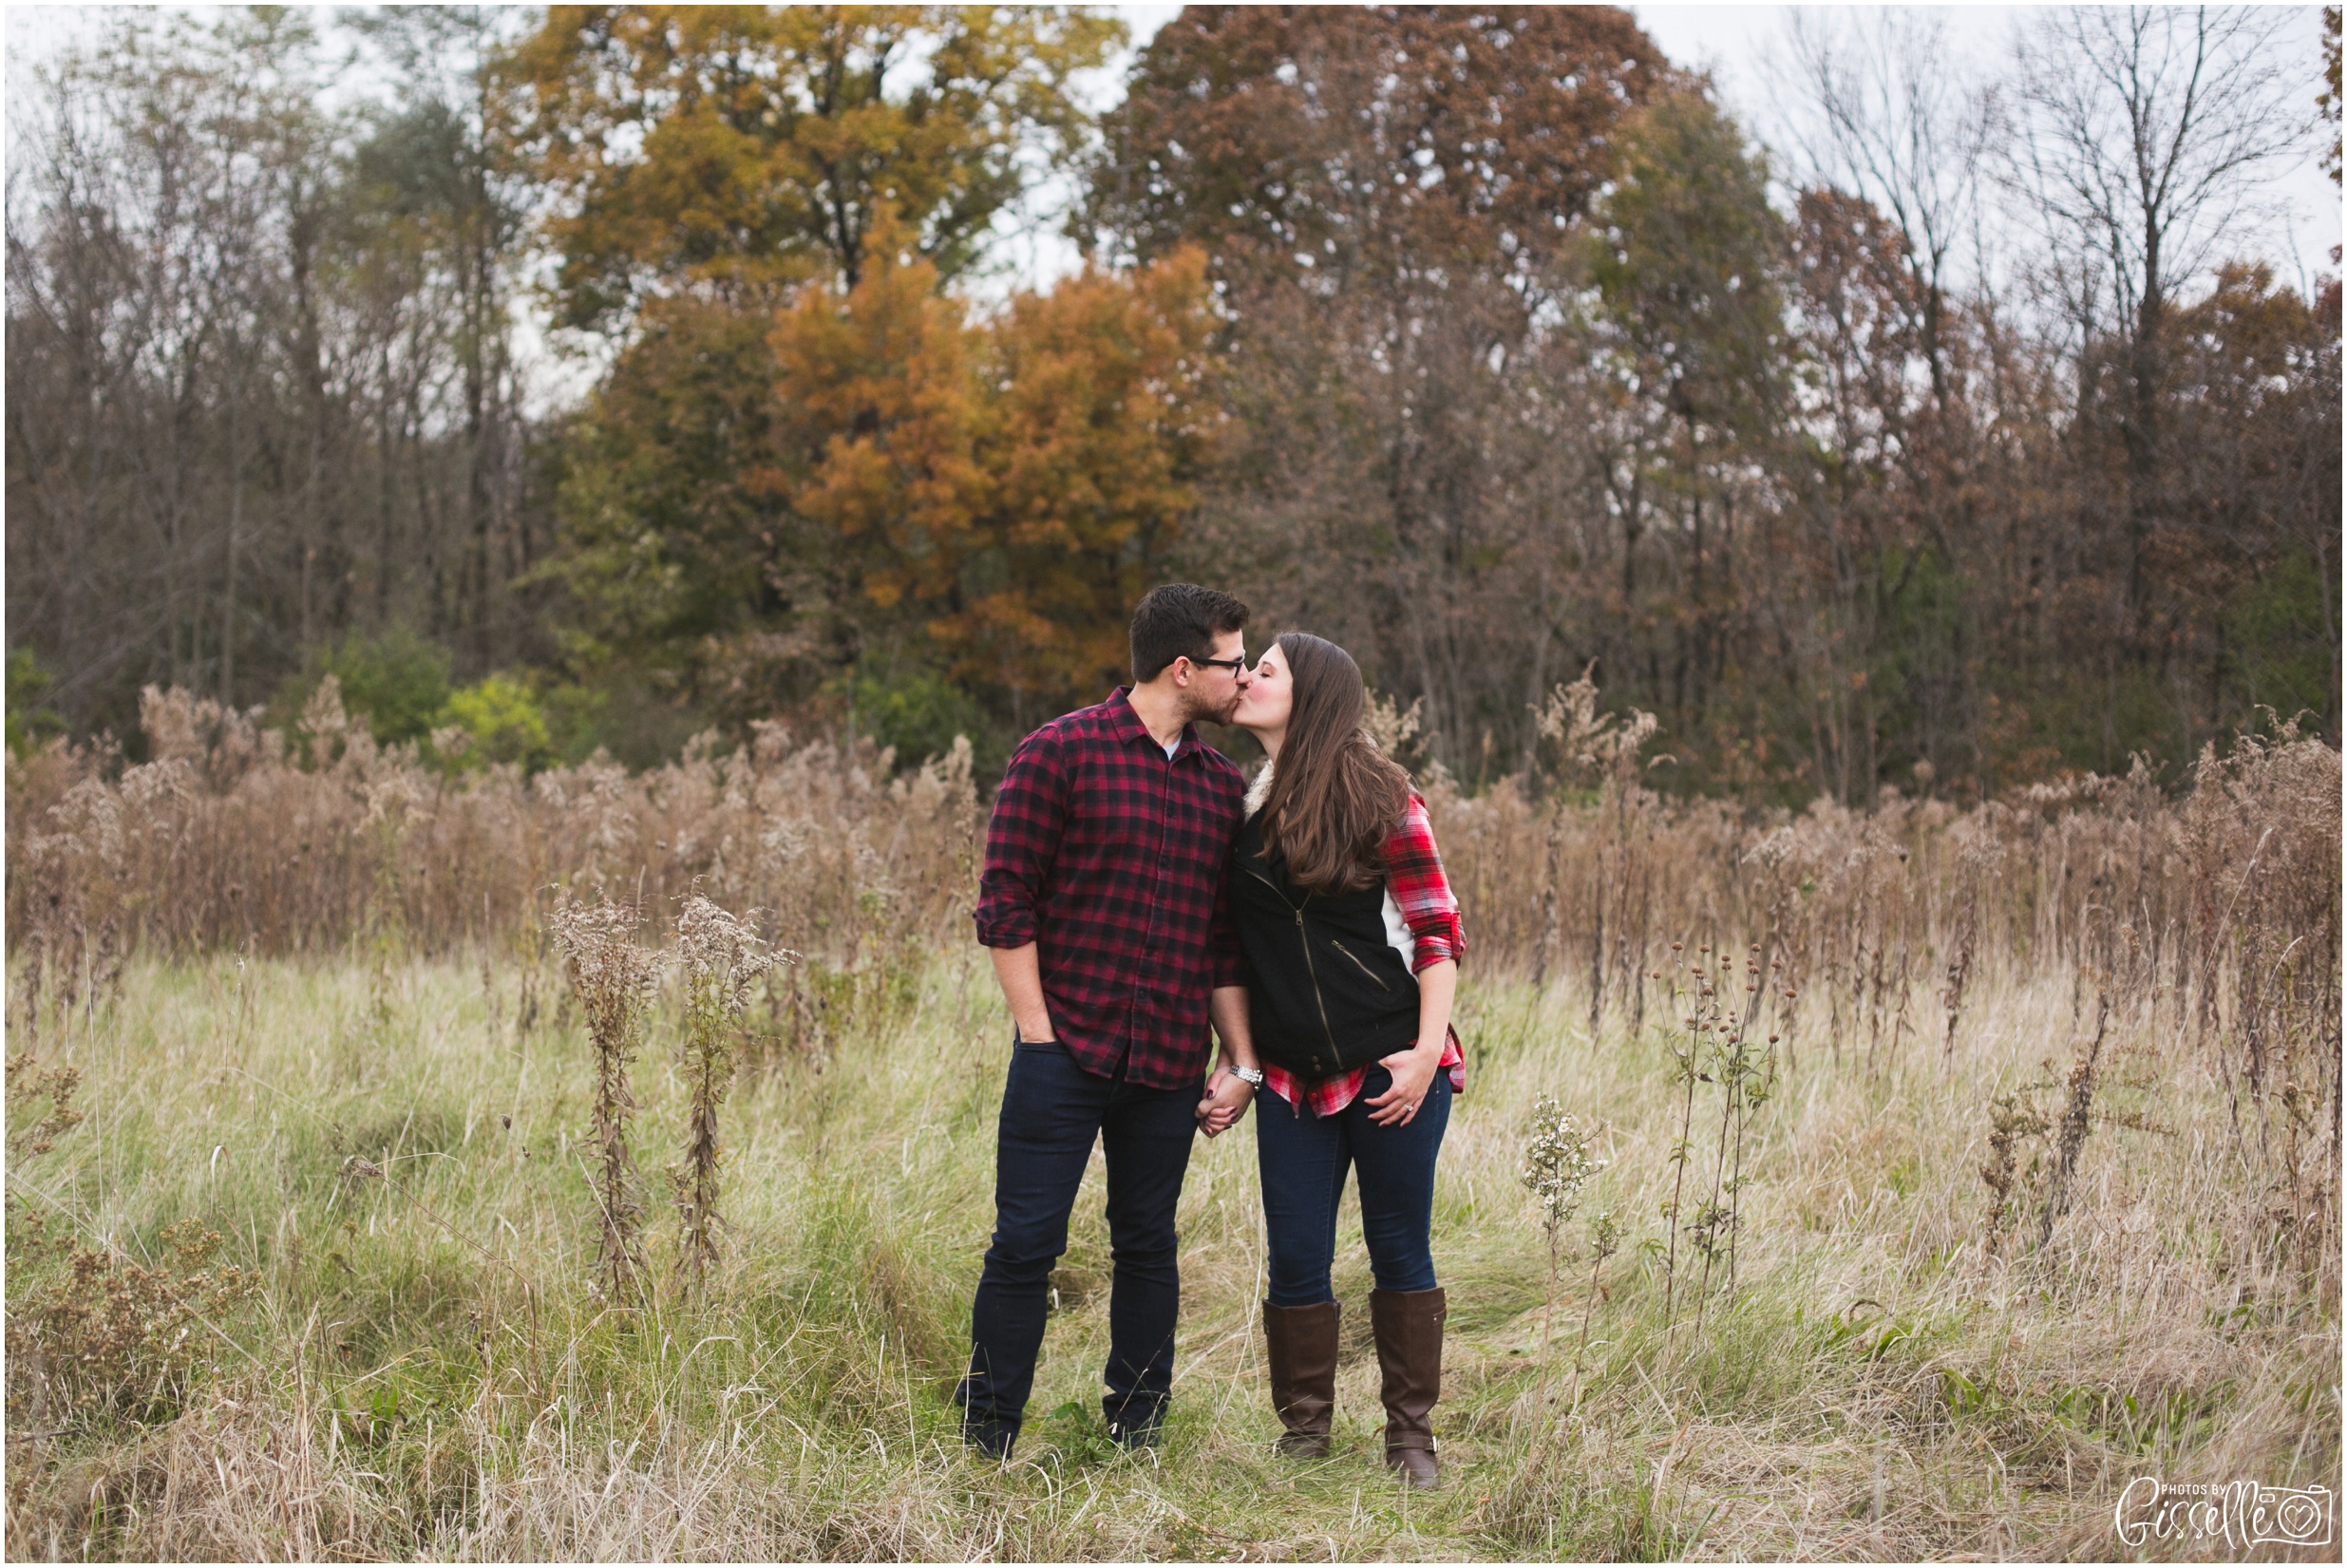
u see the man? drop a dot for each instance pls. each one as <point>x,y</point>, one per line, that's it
<point>1102,904</point>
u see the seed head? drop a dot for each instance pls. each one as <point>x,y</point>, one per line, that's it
<point>1557,1162</point>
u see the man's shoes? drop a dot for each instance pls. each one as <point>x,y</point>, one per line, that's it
<point>989,1436</point>
<point>1137,1436</point>
<point>1409,1327</point>
<point>1301,1346</point>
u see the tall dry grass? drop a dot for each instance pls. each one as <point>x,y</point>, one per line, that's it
<point>235,837</point>
<point>1959,1164</point>
<point>425,1370</point>
<point>2219,904</point>
<point>266,843</point>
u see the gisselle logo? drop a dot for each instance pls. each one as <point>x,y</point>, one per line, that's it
<point>2239,1513</point>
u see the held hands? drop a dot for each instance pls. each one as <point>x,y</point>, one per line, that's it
<point>1414,1074</point>
<point>1227,1098</point>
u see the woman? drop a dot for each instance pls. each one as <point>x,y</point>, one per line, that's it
<point>1352,940</point>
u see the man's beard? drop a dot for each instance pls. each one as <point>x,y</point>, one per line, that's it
<point>1200,711</point>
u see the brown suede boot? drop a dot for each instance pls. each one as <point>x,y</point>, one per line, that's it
<point>1303,1345</point>
<point>1409,1326</point>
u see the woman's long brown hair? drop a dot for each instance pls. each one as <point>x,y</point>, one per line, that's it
<point>1334,797</point>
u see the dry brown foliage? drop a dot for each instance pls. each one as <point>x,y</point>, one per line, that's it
<point>235,837</point>
<point>2219,903</point>
<point>719,956</point>
<point>109,1335</point>
<point>613,976</point>
<point>30,1084</point>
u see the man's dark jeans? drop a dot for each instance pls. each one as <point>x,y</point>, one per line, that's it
<point>1052,1110</point>
<point>1303,1157</point>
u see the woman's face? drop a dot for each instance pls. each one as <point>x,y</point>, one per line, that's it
<point>1269,696</point>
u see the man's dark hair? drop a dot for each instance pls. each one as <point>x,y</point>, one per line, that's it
<point>1179,620</point>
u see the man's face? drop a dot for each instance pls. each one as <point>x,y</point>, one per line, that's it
<point>1211,690</point>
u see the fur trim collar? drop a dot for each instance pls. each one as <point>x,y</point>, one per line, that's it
<point>1259,789</point>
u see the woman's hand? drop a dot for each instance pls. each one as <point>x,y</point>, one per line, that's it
<point>1413,1069</point>
<point>1414,1074</point>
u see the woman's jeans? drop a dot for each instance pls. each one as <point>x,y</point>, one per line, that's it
<point>1303,1159</point>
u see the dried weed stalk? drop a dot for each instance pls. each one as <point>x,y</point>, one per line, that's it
<point>1608,748</point>
<point>1975,860</point>
<point>51,1090</point>
<point>1745,1075</point>
<point>2070,1133</point>
<point>720,955</point>
<point>613,977</point>
<point>1604,1242</point>
<point>2020,1123</point>
<point>1558,1161</point>
<point>1684,1046</point>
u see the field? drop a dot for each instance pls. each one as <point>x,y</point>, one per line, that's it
<point>314,1271</point>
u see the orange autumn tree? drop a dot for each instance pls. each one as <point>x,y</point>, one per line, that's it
<point>1008,487</point>
<point>877,401</point>
<point>1106,414</point>
<point>807,468</point>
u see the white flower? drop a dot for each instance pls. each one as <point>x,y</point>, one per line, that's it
<point>1557,1162</point>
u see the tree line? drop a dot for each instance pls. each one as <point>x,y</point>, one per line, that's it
<point>1961,443</point>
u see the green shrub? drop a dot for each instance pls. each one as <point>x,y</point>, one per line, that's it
<point>913,710</point>
<point>29,723</point>
<point>395,680</point>
<point>500,721</point>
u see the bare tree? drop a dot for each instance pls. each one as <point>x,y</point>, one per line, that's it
<point>2147,139</point>
<point>261,388</point>
<point>1897,123</point>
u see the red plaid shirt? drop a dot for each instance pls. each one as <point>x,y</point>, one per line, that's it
<point>1108,857</point>
<point>1422,896</point>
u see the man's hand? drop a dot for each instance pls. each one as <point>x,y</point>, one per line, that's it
<point>1021,977</point>
<point>1227,1098</point>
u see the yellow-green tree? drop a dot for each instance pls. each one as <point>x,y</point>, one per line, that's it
<point>805,450</point>
<point>732,151</point>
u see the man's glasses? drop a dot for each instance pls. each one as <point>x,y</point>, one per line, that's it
<point>1233,665</point>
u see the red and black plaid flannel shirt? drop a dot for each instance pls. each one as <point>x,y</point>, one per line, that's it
<point>1108,857</point>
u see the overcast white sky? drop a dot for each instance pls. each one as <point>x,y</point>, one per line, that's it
<point>1740,46</point>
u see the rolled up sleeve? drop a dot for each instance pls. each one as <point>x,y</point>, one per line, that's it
<point>1030,813</point>
<point>1421,891</point>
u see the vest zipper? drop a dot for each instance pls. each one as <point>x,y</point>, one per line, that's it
<point>1303,939</point>
<point>1375,978</point>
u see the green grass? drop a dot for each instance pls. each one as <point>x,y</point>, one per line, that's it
<point>425,1371</point>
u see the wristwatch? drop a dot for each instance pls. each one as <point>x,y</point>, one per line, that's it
<point>1250,1075</point>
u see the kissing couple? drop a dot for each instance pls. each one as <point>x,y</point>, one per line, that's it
<point>1137,890</point>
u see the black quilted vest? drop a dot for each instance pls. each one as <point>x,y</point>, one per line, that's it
<point>1326,992</point>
